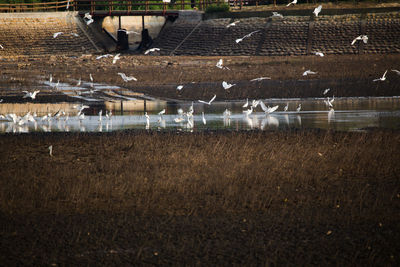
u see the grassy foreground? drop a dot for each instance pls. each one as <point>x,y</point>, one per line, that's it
<point>248,198</point>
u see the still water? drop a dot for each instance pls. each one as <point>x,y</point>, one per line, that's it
<point>348,114</point>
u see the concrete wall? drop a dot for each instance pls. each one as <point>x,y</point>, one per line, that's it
<point>153,23</point>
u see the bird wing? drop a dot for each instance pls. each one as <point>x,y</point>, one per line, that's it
<point>273,108</point>
<point>212,99</point>
<point>384,74</point>
<point>396,71</point>
<point>263,107</point>
<point>204,102</point>
<point>238,40</point>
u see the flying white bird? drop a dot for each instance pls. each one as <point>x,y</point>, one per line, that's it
<point>364,38</point>
<point>329,102</point>
<point>161,112</point>
<point>396,71</point>
<point>1,47</point>
<point>204,119</point>
<point>67,5</point>
<point>126,78</point>
<point>286,107</point>
<point>319,54</point>
<point>88,18</point>
<point>106,55</point>
<point>307,72</point>
<point>382,78</point>
<point>268,109</point>
<point>57,34</point>
<point>51,151</point>
<point>232,24</point>
<point>260,79</point>
<point>116,57</point>
<point>246,36</point>
<point>151,50</point>
<point>209,102</point>
<point>326,91</point>
<point>30,94</point>
<point>294,2</point>
<point>179,87</point>
<point>277,15</point>
<point>90,21</point>
<point>227,85</point>
<point>298,108</point>
<point>317,10</point>
<point>246,104</point>
<point>255,103</point>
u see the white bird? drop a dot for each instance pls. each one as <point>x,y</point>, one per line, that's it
<point>129,32</point>
<point>219,64</point>
<point>79,82</point>
<point>277,15</point>
<point>317,10</point>
<point>232,24</point>
<point>260,79</point>
<point>247,112</point>
<point>151,50</point>
<point>179,87</point>
<point>326,91</point>
<point>81,116</point>
<point>226,113</point>
<point>298,108</point>
<point>329,102</point>
<point>319,54</point>
<point>246,104</point>
<point>51,151</point>
<point>286,107</point>
<point>246,36</point>
<point>382,78</point>
<point>396,71</point>
<point>88,18</point>
<point>67,5</point>
<point>331,114</point>
<point>255,103</point>
<point>227,85</point>
<point>90,77</point>
<point>108,114</point>
<point>103,56</point>
<point>50,78</point>
<point>364,38</point>
<point>293,2</point>
<point>116,57</point>
<point>161,112</point>
<point>204,119</point>
<point>90,21</point>
<point>100,114</point>
<point>57,34</point>
<point>209,102</point>
<point>30,94</point>
<point>74,34</point>
<point>268,109</point>
<point>126,78</point>
<point>178,120</point>
<point>307,72</point>
<point>1,47</point>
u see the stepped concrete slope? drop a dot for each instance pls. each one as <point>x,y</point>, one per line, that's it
<point>294,35</point>
<point>31,34</point>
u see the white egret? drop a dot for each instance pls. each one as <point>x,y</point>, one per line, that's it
<point>268,109</point>
<point>255,103</point>
<point>147,120</point>
<point>364,38</point>
<point>51,150</point>
<point>246,104</point>
<point>219,63</point>
<point>260,79</point>
<point>30,94</point>
<point>319,54</point>
<point>232,24</point>
<point>161,112</point>
<point>116,57</point>
<point>126,78</point>
<point>247,112</point>
<point>317,10</point>
<point>55,35</point>
<point>307,72</point>
<point>329,102</point>
<point>88,18</point>
<point>74,34</point>
<point>179,87</point>
<point>203,118</point>
<point>286,107</point>
<point>103,56</point>
<point>382,78</point>
<point>277,15</point>
<point>100,115</point>
<point>298,108</point>
<point>209,102</point>
<point>246,36</point>
<point>294,2</point>
<point>151,50</point>
<point>227,85</point>
<point>81,116</point>
<point>50,78</point>
<point>79,82</point>
<point>326,91</point>
<point>1,47</point>
<point>227,113</point>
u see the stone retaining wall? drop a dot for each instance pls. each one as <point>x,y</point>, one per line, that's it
<point>32,34</point>
<point>282,37</point>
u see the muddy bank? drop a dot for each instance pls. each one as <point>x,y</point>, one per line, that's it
<point>254,198</point>
<point>346,75</point>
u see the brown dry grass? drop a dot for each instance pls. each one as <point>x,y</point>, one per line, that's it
<point>210,198</point>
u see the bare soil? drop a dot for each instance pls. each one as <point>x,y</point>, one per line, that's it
<point>346,75</point>
<point>212,198</point>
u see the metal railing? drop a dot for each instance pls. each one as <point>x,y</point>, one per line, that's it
<point>35,7</point>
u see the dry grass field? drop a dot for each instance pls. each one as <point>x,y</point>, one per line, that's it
<point>225,198</point>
